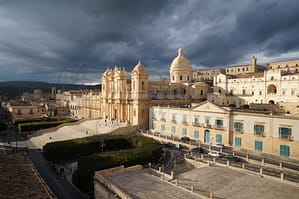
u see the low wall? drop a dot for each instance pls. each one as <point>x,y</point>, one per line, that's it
<point>125,130</point>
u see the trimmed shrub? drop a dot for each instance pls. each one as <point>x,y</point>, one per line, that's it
<point>125,150</point>
<point>144,153</point>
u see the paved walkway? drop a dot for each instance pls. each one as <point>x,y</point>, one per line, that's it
<point>229,183</point>
<point>87,128</point>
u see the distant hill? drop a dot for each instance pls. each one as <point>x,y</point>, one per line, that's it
<point>16,88</point>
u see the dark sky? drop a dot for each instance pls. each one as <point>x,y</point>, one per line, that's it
<point>70,41</point>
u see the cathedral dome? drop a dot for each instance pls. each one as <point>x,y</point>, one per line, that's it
<point>180,62</point>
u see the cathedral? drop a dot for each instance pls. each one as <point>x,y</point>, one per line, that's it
<point>128,100</point>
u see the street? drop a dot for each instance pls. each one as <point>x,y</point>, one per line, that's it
<point>61,188</point>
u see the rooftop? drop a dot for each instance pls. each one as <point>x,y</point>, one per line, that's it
<point>19,179</point>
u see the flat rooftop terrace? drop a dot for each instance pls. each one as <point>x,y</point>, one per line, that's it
<point>228,183</point>
<point>142,184</point>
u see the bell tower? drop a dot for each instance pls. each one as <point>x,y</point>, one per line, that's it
<point>139,94</point>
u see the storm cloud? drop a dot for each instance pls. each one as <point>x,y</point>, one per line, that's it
<point>78,40</point>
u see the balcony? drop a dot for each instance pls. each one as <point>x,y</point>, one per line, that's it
<point>238,130</point>
<point>262,134</point>
<point>219,127</point>
<point>196,124</point>
<point>286,137</point>
<point>154,118</point>
<point>173,121</point>
<point>184,123</point>
<point>163,120</point>
<point>209,126</point>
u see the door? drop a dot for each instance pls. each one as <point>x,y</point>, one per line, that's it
<point>207,136</point>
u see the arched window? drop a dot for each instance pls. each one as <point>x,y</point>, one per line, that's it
<point>142,85</point>
<point>271,89</point>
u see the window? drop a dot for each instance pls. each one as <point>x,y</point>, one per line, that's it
<point>31,111</point>
<point>162,127</point>
<point>272,78</point>
<point>184,132</point>
<point>284,150</point>
<point>258,146</point>
<point>258,129</point>
<point>207,121</point>
<point>172,77</point>
<point>238,141</point>
<point>196,134</point>
<point>173,130</point>
<point>19,112</point>
<point>153,125</point>
<point>231,91</point>
<point>201,92</point>
<point>252,93</point>
<point>173,118</point>
<point>196,120</point>
<point>181,77</point>
<point>219,123</point>
<point>238,126</point>
<point>285,133</point>
<point>163,116</point>
<point>219,138</point>
<point>184,118</point>
<point>293,92</point>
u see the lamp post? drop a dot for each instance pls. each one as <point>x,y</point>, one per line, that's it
<point>102,144</point>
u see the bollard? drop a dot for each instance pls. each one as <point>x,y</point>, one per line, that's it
<point>171,174</point>
<point>192,188</point>
<point>280,165</point>
<point>227,163</point>
<point>162,176</point>
<point>160,169</point>
<point>234,153</point>
<point>176,182</point>
<point>261,171</point>
<point>201,156</point>
<point>263,161</point>
<point>211,195</point>
<point>214,159</point>
<point>149,165</point>
<point>243,166</point>
<point>281,176</point>
<point>247,157</point>
<point>221,150</point>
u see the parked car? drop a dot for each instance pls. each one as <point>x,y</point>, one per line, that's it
<point>218,145</point>
<point>185,139</point>
<point>215,154</point>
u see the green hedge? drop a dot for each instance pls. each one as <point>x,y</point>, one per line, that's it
<point>144,153</point>
<point>74,149</point>
<point>37,124</point>
<point>125,150</point>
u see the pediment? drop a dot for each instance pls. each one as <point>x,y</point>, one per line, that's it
<point>209,107</point>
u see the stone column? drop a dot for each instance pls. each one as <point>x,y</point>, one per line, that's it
<point>281,176</point>
<point>227,163</point>
<point>263,161</point>
<point>192,188</point>
<point>280,165</point>
<point>261,171</point>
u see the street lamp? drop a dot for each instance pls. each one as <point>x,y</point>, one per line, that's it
<point>102,144</point>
